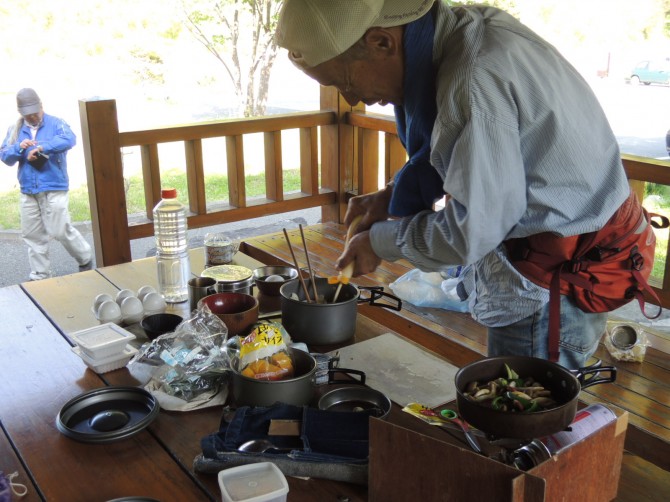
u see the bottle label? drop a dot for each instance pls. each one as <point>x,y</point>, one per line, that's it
<point>586,422</point>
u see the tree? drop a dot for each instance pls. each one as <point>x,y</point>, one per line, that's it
<point>240,35</point>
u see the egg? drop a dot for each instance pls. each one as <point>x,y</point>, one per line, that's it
<point>109,311</point>
<point>144,291</point>
<point>274,278</point>
<point>132,309</point>
<point>153,303</point>
<point>99,300</point>
<point>124,293</point>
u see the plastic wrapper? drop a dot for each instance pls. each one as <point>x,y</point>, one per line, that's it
<point>626,341</point>
<point>189,364</point>
<point>429,289</point>
<point>264,354</point>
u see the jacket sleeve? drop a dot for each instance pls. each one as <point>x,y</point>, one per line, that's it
<point>62,138</point>
<point>10,153</point>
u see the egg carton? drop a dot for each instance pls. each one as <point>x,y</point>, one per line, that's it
<point>127,307</point>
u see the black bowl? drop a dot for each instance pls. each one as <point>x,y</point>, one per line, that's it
<point>155,325</point>
<point>271,288</point>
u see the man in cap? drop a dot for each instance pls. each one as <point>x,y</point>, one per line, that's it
<point>39,143</point>
<point>491,116</point>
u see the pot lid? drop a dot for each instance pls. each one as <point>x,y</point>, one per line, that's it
<point>228,273</point>
<point>107,414</point>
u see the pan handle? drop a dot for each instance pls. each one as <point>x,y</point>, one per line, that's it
<point>377,293</point>
<point>346,371</point>
<point>597,377</point>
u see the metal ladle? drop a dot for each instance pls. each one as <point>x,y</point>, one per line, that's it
<point>260,446</point>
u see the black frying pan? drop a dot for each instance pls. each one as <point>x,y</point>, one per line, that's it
<point>565,387</point>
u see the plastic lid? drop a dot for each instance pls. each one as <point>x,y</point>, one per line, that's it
<point>255,482</point>
<point>169,193</point>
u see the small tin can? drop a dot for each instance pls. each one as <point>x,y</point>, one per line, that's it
<point>231,278</point>
<point>623,337</point>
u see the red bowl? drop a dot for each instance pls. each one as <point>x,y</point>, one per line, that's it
<point>238,311</point>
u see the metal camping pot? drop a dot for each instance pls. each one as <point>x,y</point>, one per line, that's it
<point>231,278</point>
<point>297,391</point>
<point>565,386</point>
<point>324,322</point>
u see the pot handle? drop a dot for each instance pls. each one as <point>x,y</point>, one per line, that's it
<point>377,293</point>
<point>597,378</point>
<point>346,371</point>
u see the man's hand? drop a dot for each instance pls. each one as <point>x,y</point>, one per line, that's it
<point>26,143</point>
<point>360,250</point>
<point>373,207</point>
<point>32,154</point>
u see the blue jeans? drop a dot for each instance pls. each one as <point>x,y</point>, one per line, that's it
<point>580,334</point>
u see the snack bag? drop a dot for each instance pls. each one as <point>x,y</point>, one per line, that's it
<point>264,354</point>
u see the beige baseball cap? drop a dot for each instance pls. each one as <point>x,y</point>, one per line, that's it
<point>315,31</point>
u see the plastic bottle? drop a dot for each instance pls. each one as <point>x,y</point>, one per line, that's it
<point>172,261</point>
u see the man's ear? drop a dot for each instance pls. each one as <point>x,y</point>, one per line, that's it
<point>385,42</point>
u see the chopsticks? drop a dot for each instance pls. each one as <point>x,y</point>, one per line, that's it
<point>297,267</point>
<point>309,267</point>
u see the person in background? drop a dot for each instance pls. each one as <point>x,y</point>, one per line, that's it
<point>493,117</point>
<point>39,143</point>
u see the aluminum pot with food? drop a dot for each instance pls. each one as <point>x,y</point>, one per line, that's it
<point>324,322</point>
<point>563,388</point>
<point>298,390</point>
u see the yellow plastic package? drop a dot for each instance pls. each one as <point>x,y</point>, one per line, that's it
<point>264,354</point>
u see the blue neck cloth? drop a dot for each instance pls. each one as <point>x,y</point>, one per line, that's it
<point>417,185</point>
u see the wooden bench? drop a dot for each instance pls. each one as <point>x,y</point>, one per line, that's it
<point>642,389</point>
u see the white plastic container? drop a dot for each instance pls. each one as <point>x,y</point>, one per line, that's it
<point>259,482</point>
<point>111,363</point>
<point>103,341</point>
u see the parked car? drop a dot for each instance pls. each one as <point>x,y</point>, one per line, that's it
<point>651,72</point>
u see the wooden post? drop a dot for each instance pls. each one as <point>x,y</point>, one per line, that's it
<point>106,188</point>
<point>338,153</point>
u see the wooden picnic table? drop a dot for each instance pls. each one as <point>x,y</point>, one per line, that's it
<point>40,373</point>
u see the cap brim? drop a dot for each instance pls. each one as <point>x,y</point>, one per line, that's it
<point>30,109</point>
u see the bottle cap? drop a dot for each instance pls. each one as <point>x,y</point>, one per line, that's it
<point>169,193</point>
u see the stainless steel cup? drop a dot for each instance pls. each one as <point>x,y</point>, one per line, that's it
<point>198,288</point>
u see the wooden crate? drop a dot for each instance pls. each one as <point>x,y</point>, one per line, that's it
<point>407,465</point>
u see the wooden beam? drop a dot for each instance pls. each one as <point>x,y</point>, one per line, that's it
<point>106,187</point>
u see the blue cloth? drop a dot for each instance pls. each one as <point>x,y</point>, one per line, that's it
<point>56,138</point>
<point>417,185</point>
<point>326,436</point>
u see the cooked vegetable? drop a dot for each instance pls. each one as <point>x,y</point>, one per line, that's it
<point>511,393</point>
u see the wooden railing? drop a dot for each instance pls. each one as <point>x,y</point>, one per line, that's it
<point>347,138</point>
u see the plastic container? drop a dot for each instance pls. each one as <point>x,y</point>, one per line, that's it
<point>259,482</point>
<point>103,341</point>
<point>219,249</point>
<point>172,261</point>
<point>111,363</point>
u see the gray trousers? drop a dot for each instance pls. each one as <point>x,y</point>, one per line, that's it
<point>45,216</point>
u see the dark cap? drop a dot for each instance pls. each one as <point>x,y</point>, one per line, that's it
<point>28,102</point>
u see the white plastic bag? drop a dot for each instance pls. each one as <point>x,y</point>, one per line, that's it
<point>429,289</point>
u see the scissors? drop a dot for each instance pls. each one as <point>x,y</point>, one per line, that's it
<point>452,416</point>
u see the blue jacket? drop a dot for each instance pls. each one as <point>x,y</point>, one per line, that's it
<point>56,138</point>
